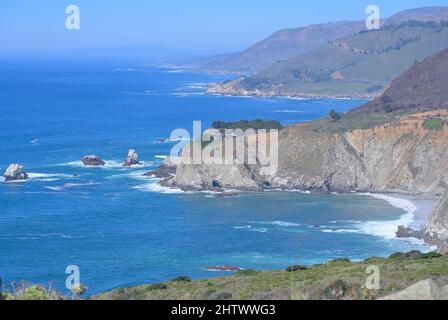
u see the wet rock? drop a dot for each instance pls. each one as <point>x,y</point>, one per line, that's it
<point>92,161</point>
<point>15,172</point>
<point>404,232</point>
<point>162,172</point>
<point>226,194</point>
<point>132,158</point>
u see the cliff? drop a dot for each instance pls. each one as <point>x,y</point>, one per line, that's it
<point>398,156</point>
<point>437,227</point>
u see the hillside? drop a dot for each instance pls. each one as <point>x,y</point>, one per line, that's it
<point>336,280</point>
<point>287,43</point>
<point>282,45</point>
<point>423,87</point>
<point>359,65</point>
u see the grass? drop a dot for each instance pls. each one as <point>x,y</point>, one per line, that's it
<point>436,124</point>
<point>337,279</point>
<point>352,122</point>
<point>256,124</point>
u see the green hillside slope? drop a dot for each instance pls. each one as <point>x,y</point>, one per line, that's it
<point>357,65</point>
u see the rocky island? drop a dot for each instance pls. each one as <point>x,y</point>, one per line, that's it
<point>132,159</point>
<point>15,172</point>
<point>92,161</point>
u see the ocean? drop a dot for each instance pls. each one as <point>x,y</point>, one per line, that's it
<point>121,228</point>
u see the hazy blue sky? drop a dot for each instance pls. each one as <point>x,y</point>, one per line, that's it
<point>203,25</point>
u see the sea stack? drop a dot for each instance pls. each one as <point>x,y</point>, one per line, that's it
<point>15,172</point>
<point>93,161</point>
<point>132,158</point>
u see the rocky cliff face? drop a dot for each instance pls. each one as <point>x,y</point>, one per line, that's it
<point>403,156</point>
<point>437,227</point>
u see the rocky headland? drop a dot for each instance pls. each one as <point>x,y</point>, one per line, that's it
<point>397,143</point>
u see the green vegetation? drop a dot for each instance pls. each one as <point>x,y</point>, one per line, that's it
<point>434,124</point>
<point>360,64</point>
<point>256,124</point>
<point>349,122</point>
<point>181,279</point>
<point>334,115</point>
<point>247,273</point>
<point>295,268</point>
<point>338,279</point>
<point>24,291</point>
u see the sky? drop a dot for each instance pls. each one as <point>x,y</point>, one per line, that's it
<point>200,26</point>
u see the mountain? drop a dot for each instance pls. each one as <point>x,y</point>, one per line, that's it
<point>287,43</point>
<point>436,14</point>
<point>423,87</point>
<point>283,44</point>
<point>360,65</point>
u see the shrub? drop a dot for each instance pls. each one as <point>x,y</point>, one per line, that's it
<point>247,273</point>
<point>158,286</point>
<point>397,255</point>
<point>181,279</point>
<point>245,124</point>
<point>334,115</point>
<point>431,255</point>
<point>434,124</point>
<point>388,108</point>
<point>295,268</point>
<point>415,254</point>
<point>341,260</point>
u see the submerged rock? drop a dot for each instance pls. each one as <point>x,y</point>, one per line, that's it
<point>163,172</point>
<point>92,161</point>
<point>15,172</point>
<point>132,158</point>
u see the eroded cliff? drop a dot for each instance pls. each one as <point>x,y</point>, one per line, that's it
<point>400,156</point>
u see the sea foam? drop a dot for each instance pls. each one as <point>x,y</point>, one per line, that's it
<point>388,229</point>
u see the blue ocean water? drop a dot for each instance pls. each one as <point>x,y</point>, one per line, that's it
<point>122,229</point>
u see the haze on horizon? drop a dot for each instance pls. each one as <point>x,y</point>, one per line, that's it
<point>197,26</point>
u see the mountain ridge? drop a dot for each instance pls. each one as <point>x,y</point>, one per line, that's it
<point>286,43</point>
<point>358,66</point>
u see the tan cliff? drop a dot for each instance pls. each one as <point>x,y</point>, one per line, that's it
<point>400,156</point>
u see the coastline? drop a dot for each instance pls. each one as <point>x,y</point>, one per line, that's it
<point>302,96</point>
<point>417,208</point>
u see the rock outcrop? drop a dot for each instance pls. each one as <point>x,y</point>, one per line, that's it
<point>163,172</point>
<point>401,156</point>
<point>92,161</point>
<point>435,288</point>
<point>15,172</point>
<point>437,226</point>
<point>132,159</point>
